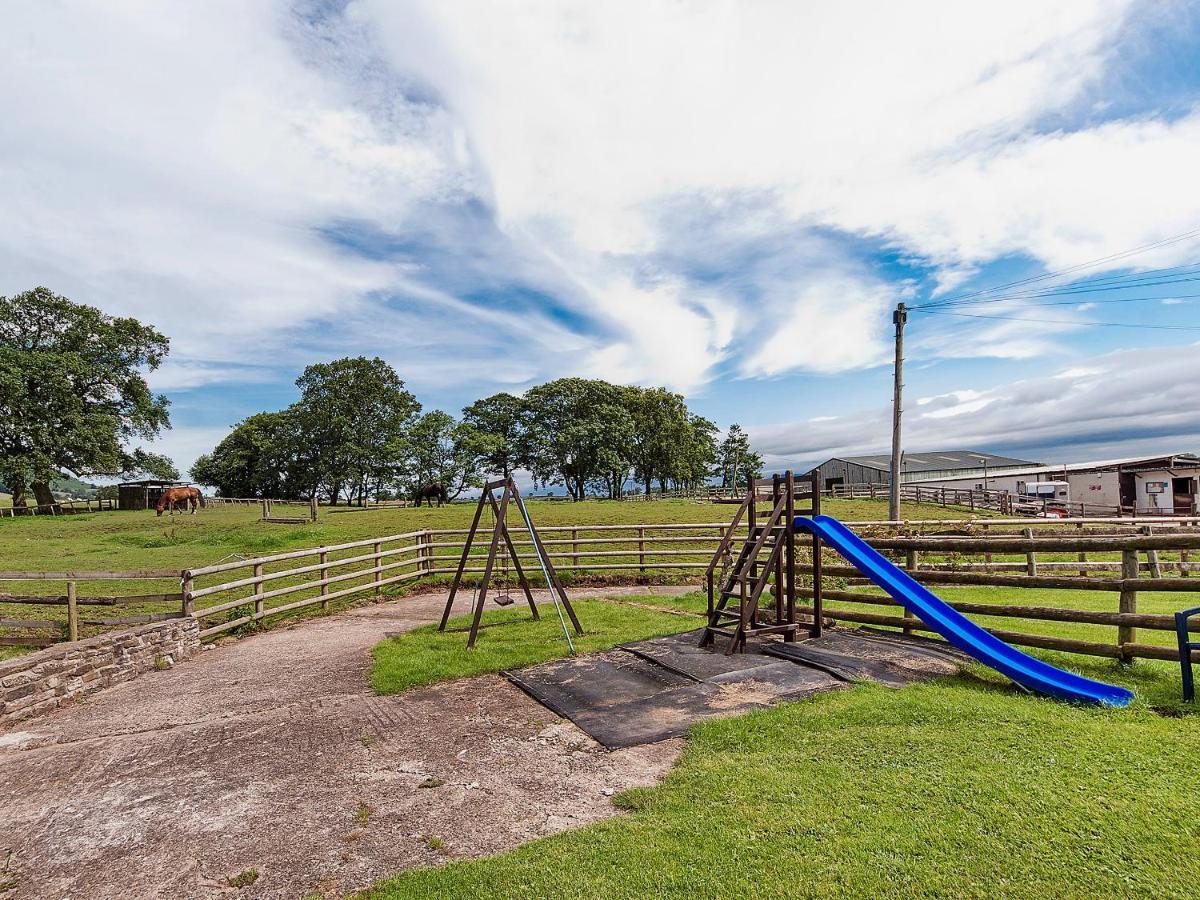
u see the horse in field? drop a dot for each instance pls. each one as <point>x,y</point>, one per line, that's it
<point>190,497</point>
<point>429,491</point>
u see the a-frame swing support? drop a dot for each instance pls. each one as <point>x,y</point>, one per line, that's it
<point>558,594</point>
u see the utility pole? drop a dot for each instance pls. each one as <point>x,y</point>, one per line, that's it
<point>899,317</point>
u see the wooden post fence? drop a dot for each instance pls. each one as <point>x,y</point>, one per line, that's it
<point>72,611</point>
<point>1127,602</point>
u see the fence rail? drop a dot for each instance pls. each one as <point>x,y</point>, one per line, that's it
<point>71,599</point>
<point>59,508</point>
<point>1106,557</point>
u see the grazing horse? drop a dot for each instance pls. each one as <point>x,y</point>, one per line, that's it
<point>429,491</point>
<point>190,497</point>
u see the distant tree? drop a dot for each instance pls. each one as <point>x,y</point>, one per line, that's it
<point>578,433</point>
<point>445,452</point>
<point>256,459</point>
<point>737,464</point>
<point>696,454</point>
<point>661,430</point>
<point>504,418</point>
<point>73,393</point>
<point>354,415</point>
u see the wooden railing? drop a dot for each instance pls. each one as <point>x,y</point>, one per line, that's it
<point>1104,557</point>
<point>604,548</point>
<point>54,630</point>
<point>59,508</point>
<point>401,556</point>
<point>945,565</point>
<point>1000,501</point>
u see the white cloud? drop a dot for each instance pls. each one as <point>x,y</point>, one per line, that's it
<point>680,178</point>
<point>588,118</point>
<point>1082,412</point>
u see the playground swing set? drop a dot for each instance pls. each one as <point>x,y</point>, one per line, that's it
<point>501,547</point>
<point>736,611</point>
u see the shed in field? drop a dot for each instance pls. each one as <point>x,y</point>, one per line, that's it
<point>143,494</point>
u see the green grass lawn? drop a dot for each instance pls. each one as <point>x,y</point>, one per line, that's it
<point>1159,602</point>
<point>510,640</point>
<point>962,787</point>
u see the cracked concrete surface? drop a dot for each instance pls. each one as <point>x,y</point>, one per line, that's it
<point>272,753</point>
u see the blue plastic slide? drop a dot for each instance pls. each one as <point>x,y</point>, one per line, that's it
<point>960,631</point>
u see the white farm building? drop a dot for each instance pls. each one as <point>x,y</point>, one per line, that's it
<point>1145,485</point>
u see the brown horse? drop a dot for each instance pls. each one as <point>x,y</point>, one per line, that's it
<point>190,497</point>
<point>429,492</point>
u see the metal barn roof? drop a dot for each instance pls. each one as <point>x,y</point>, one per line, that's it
<point>937,461</point>
<point>1130,464</point>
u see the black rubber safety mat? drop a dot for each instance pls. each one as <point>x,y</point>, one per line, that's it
<point>915,643</point>
<point>624,697</point>
<point>891,660</point>
<point>681,653</point>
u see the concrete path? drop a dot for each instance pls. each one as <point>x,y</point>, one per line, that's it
<point>271,753</point>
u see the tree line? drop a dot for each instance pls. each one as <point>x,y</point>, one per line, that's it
<point>74,401</point>
<point>358,433</point>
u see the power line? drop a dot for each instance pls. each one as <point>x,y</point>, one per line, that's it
<point>1112,257</point>
<point>934,312</point>
<point>1077,289</point>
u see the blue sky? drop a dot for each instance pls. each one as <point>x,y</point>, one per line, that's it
<point>724,198</point>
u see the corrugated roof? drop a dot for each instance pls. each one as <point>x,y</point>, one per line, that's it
<point>938,461</point>
<point>1170,461</point>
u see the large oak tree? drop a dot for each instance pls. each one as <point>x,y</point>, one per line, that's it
<point>73,392</point>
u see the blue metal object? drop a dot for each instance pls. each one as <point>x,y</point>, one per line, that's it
<point>1186,647</point>
<point>957,629</point>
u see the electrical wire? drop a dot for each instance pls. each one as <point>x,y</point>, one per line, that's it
<point>936,312</point>
<point>1113,257</point>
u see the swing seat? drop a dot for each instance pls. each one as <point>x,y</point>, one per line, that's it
<point>503,599</point>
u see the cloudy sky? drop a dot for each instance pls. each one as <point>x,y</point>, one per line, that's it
<point>725,198</point>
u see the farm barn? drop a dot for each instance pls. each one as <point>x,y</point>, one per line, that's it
<point>1147,485</point>
<point>917,468</point>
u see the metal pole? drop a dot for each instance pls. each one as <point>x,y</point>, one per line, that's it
<point>899,317</point>
<point>537,549</point>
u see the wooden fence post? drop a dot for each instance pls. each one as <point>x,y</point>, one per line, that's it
<point>72,611</point>
<point>911,564</point>
<point>324,580</point>
<point>259,603</point>
<point>1152,556</point>
<point>1128,601</point>
<point>987,557</point>
<point>642,550</point>
<point>575,548</point>
<point>189,605</point>
<point>1030,557</point>
<point>378,561</point>
<point>1082,553</point>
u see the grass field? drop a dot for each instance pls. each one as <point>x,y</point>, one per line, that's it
<point>963,787</point>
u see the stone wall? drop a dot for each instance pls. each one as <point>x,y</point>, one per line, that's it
<point>39,682</point>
